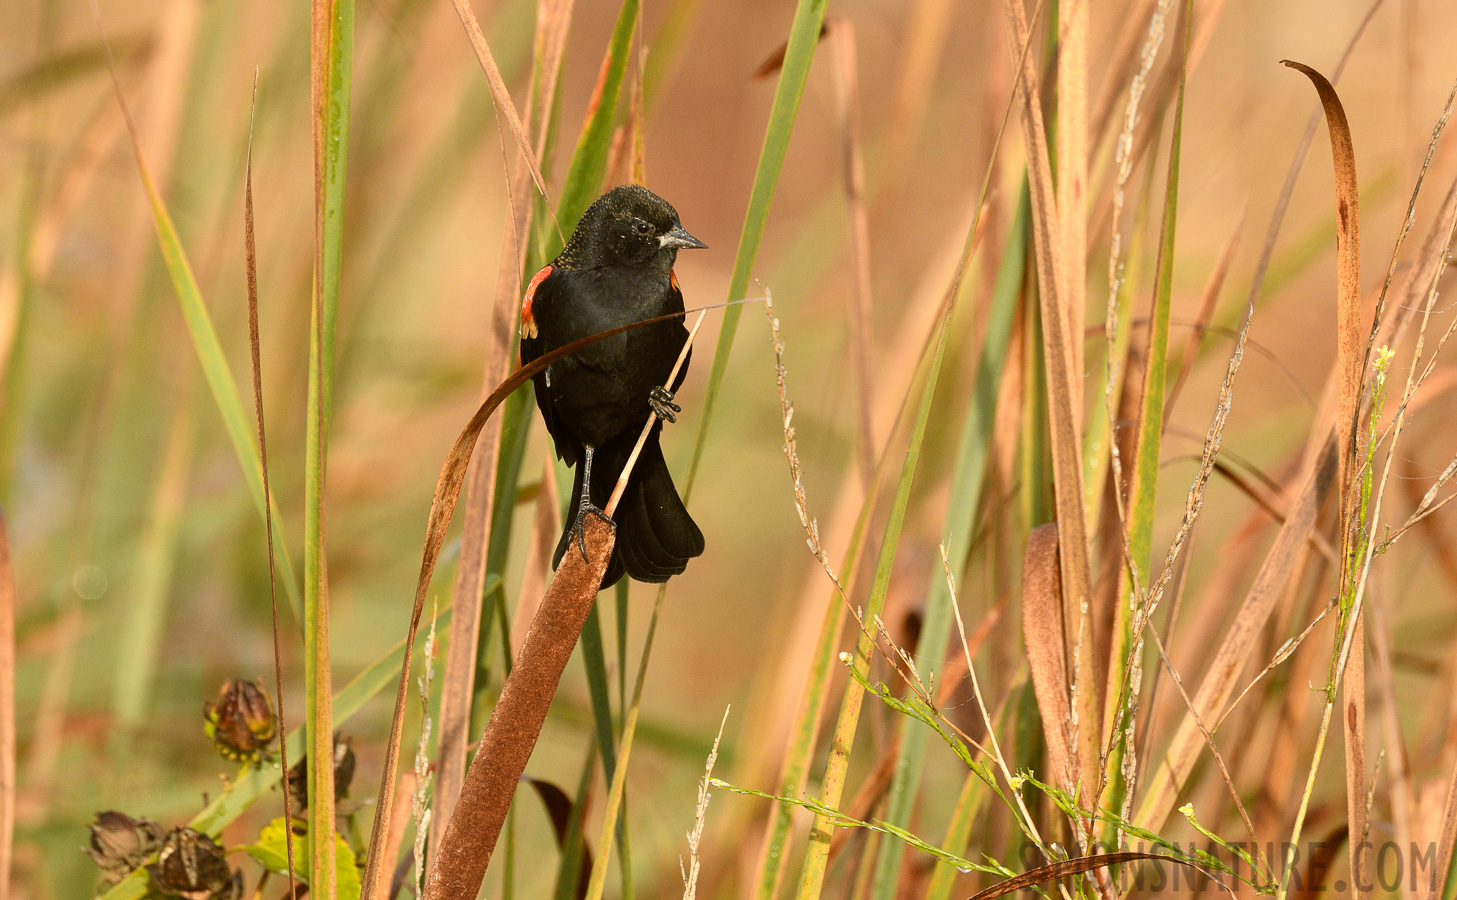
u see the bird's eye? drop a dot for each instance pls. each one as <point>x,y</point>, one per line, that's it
<point>642,227</point>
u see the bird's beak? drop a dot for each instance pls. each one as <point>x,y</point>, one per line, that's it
<point>678,239</point>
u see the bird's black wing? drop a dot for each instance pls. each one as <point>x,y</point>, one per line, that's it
<point>533,345</point>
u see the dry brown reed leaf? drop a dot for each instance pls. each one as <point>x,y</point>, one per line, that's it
<point>250,257</point>
<point>1349,364</point>
<point>1072,181</point>
<point>400,823</point>
<point>458,865</point>
<point>1042,632</point>
<point>1348,285</point>
<point>1064,377</point>
<point>7,711</point>
<point>1302,150</point>
<point>499,93</point>
<point>847,102</point>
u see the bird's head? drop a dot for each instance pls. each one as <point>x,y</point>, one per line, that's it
<point>628,226</point>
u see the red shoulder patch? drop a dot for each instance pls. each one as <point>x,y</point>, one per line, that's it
<point>528,321</point>
<point>673,280</point>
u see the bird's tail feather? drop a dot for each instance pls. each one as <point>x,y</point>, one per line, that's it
<point>655,534</point>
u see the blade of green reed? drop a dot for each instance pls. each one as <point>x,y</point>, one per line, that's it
<point>259,783</point>
<point>967,477</point>
<point>595,661</point>
<point>817,855</point>
<point>804,33</point>
<point>332,54</point>
<point>211,357</point>
<point>1134,577</point>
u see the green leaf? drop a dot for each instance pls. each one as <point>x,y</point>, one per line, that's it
<point>271,852</point>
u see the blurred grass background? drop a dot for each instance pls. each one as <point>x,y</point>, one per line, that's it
<point>128,513</point>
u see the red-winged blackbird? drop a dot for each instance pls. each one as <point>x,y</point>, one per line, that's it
<point>616,269</point>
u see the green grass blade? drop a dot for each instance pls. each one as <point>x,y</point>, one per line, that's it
<point>259,783</point>
<point>804,34</point>
<point>966,483</point>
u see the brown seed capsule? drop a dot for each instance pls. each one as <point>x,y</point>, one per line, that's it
<point>119,843</point>
<point>298,774</point>
<point>241,722</point>
<point>191,865</point>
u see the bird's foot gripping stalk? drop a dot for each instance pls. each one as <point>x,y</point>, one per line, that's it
<point>661,400</point>
<point>585,505</point>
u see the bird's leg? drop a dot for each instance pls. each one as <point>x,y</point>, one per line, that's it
<point>661,400</point>
<point>584,505</point>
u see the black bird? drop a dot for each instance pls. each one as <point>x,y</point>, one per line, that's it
<point>616,269</point>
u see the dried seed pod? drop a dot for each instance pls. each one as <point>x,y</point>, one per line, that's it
<point>241,722</point>
<point>191,865</point>
<point>119,843</point>
<point>298,774</point>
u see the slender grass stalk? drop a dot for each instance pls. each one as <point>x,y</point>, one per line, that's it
<point>332,54</point>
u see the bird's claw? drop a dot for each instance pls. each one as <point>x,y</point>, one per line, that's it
<point>661,400</point>
<point>580,525</point>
